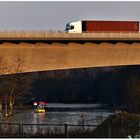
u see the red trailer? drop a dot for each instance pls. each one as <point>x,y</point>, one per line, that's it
<point>102,26</point>
<point>88,26</point>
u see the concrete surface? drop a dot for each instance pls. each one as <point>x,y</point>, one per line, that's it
<point>43,57</point>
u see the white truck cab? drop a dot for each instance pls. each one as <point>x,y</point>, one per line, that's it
<point>74,27</point>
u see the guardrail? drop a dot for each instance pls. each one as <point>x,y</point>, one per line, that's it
<point>63,35</point>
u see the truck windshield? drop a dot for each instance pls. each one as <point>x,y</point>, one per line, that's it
<point>69,27</point>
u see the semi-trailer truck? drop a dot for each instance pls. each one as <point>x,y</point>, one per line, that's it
<point>102,26</point>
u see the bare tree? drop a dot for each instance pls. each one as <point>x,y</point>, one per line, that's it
<point>14,85</point>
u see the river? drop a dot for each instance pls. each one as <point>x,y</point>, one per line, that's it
<point>61,114</point>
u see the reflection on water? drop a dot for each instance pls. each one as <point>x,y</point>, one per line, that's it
<point>39,118</point>
<point>60,117</point>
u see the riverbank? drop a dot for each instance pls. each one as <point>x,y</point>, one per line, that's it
<point>119,125</point>
<point>19,130</point>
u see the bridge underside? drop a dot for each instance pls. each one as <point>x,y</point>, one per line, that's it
<point>43,57</point>
<point>69,41</point>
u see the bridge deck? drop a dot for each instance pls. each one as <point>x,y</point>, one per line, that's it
<point>59,35</point>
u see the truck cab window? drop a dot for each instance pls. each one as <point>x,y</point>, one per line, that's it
<point>71,27</point>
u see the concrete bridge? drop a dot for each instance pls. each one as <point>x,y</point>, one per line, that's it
<point>44,57</point>
<point>18,56</point>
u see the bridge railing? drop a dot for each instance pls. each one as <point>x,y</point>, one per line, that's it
<point>62,34</point>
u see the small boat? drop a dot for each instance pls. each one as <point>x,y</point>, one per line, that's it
<point>39,107</point>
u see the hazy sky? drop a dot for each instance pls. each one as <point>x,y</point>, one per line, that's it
<point>54,15</point>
